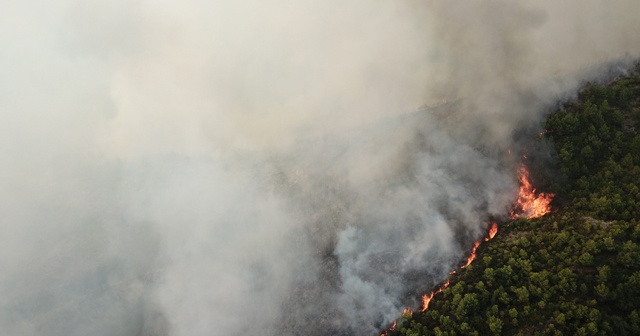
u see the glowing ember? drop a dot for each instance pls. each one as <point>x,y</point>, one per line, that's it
<point>407,311</point>
<point>529,205</point>
<point>492,231</point>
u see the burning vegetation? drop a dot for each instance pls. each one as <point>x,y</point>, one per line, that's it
<point>528,204</point>
<point>576,270</point>
<point>492,231</point>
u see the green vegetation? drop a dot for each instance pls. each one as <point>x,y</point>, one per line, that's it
<point>577,270</point>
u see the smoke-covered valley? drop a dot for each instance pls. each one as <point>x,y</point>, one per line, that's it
<point>267,167</point>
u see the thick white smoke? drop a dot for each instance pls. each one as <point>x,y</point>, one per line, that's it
<point>255,167</point>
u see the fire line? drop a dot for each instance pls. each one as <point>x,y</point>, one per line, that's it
<point>528,205</point>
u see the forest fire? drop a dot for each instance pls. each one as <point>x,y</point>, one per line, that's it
<point>472,257</point>
<point>492,231</point>
<point>529,205</point>
<point>427,298</point>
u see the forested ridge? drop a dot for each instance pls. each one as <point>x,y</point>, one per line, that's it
<point>575,271</point>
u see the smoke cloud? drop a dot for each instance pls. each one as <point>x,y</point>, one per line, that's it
<point>266,167</point>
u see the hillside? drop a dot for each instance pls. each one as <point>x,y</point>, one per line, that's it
<point>575,271</point>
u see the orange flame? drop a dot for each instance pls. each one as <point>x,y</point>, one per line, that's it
<point>426,298</point>
<point>492,231</point>
<point>529,205</point>
<point>392,328</point>
<point>472,257</point>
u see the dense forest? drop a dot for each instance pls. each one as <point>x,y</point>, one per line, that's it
<point>575,271</point>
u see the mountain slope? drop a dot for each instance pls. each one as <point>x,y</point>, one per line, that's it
<point>577,270</point>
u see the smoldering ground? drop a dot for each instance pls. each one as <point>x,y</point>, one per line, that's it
<point>255,167</point>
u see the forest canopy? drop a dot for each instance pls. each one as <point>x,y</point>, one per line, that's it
<point>575,271</point>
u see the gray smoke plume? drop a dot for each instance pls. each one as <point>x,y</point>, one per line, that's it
<point>267,167</point>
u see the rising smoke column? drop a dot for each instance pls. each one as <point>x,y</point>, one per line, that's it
<point>252,167</point>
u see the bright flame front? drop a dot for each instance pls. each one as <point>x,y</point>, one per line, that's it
<point>492,231</point>
<point>528,204</point>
